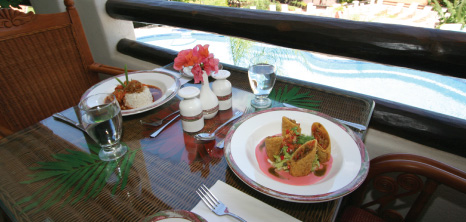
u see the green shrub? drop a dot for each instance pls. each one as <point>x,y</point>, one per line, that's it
<point>456,9</point>
<point>260,4</point>
<point>205,2</point>
<point>279,7</point>
<point>215,2</point>
<point>12,3</point>
<point>347,1</point>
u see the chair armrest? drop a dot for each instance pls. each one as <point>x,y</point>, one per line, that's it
<point>105,69</point>
<point>4,132</point>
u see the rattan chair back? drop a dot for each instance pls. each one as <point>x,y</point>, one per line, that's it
<point>46,65</point>
<point>393,177</point>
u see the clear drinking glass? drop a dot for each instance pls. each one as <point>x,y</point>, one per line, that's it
<point>101,117</point>
<point>262,75</point>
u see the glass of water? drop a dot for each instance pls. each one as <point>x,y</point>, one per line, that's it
<point>262,75</point>
<point>101,117</point>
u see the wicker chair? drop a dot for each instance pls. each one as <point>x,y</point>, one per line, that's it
<point>400,176</point>
<point>46,65</point>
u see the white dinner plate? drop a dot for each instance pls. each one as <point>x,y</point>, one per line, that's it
<point>174,216</point>
<point>168,83</point>
<point>350,158</point>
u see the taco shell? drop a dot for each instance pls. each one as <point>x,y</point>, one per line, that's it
<point>273,144</point>
<point>324,148</point>
<point>324,154</point>
<point>301,161</point>
<point>288,124</point>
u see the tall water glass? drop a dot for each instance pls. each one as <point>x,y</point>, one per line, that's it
<point>101,117</point>
<point>262,75</point>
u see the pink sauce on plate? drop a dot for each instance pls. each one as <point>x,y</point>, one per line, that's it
<point>285,177</point>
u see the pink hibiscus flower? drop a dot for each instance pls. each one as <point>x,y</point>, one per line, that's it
<point>200,59</point>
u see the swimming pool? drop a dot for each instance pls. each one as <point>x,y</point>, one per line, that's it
<point>424,90</point>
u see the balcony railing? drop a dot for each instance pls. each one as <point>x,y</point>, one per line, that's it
<point>431,50</point>
<point>423,49</point>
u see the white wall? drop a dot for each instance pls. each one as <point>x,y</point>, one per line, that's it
<point>104,32</point>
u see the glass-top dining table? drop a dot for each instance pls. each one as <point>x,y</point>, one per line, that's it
<point>162,173</point>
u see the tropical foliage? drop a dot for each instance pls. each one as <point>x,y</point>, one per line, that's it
<point>206,2</point>
<point>240,49</point>
<point>243,50</point>
<point>75,176</point>
<point>293,97</point>
<point>10,3</point>
<point>456,11</point>
<point>260,4</point>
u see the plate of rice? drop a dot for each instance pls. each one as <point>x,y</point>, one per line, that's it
<point>146,90</point>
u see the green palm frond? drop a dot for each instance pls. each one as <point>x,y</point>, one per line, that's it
<point>243,50</point>
<point>239,48</point>
<point>83,174</point>
<point>293,97</point>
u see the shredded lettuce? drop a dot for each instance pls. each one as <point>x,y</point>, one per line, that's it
<point>302,139</point>
<point>280,164</point>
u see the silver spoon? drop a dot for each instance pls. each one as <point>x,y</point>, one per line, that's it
<point>211,136</point>
<point>158,122</point>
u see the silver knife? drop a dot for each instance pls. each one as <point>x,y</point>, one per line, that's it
<point>357,126</point>
<point>69,121</point>
<point>163,127</point>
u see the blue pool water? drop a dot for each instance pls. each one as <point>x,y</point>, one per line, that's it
<point>412,87</point>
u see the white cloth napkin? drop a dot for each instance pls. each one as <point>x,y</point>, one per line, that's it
<point>241,204</point>
<point>183,79</point>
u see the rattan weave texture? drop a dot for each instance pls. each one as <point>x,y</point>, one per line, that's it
<point>46,65</point>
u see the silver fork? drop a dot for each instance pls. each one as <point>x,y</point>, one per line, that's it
<point>249,109</point>
<point>214,204</point>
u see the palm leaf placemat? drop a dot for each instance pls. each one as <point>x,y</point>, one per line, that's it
<point>84,174</point>
<point>293,97</point>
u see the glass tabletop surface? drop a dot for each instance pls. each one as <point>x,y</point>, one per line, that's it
<point>156,174</point>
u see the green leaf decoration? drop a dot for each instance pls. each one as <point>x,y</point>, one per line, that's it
<point>126,76</point>
<point>293,97</point>
<point>75,176</point>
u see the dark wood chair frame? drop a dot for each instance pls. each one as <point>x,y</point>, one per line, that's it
<point>409,169</point>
